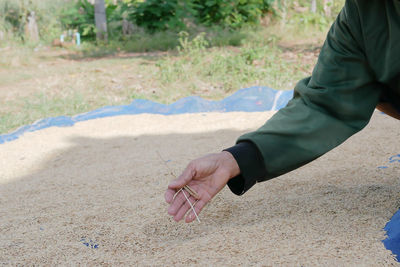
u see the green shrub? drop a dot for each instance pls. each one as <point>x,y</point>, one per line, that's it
<point>116,13</point>
<point>194,46</point>
<point>13,17</point>
<point>165,15</point>
<point>311,19</point>
<point>221,36</point>
<point>146,42</point>
<point>79,15</point>
<point>233,14</point>
<point>156,15</point>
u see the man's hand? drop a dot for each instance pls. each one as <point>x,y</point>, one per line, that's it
<point>207,176</point>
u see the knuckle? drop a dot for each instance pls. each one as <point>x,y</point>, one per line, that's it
<point>192,165</point>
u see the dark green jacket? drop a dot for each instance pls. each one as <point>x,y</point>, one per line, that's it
<point>359,65</point>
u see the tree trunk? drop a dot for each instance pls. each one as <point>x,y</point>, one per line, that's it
<point>101,20</point>
<point>313,6</point>
<point>284,13</point>
<point>31,28</point>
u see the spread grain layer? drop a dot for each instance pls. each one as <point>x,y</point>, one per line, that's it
<point>94,194</point>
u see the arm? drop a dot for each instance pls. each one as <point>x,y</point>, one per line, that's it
<point>327,108</point>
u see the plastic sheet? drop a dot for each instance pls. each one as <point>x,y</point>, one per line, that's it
<point>249,100</point>
<point>392,242</point>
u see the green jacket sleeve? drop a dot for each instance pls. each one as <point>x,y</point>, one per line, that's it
<point>334,103</point>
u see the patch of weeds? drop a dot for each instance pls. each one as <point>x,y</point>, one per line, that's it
<point>41,106</point>
<point>191,53</point>
<point>10,121</point>
<point>139,42</point>
<point>9,78</point>
<point>260,37</point>
<point>145,42</point>
<point>44,104</point>
<point>192,47</point>
<point>15,57</point>
<point>134,96</point>
<point>96,51</point>
<point>229,70</point>
<point>225,37</point>
<point>232,69</point>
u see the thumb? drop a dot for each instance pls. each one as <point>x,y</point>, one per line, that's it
<point>187,175</point>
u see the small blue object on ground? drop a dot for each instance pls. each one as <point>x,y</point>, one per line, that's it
<point>392,242</point>
<point>89,243</point>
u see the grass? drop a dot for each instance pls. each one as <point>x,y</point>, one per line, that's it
<point>141,41</point>
<point>38,82</point>
<point>30,109</point>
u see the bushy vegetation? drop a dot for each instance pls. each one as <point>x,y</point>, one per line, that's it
<point>171,15</point>
<point>143,19</point>
<point>13,17</point>
<point>156,15</point>
<point>80,16</point>
<point>233,14</point>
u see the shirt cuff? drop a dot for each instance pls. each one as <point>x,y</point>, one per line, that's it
<point>251,165</point>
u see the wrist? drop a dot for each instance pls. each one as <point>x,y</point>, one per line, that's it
<point>228,164</point>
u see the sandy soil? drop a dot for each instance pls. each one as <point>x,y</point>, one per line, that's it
<point>93,194</point>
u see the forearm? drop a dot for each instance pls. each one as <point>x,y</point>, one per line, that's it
<point>333,104</point>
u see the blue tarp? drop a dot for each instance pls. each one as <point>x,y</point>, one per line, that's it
<point>392,228</point>
<point>248,100</point>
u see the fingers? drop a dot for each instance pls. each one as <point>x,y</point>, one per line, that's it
<point>190,217</point>
<point>169,195</point>
<point>180,206</point>
<point>178,183</point>
<point>184,178</point>
<point>184,208</point>
<point>176,204</point>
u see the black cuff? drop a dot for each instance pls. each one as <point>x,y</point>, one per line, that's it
<point>251,165</point>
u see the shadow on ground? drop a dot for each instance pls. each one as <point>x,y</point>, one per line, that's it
<point>100,201</point>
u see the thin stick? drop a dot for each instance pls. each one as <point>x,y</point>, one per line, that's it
<point>190,190</point>
<point>197,217</point>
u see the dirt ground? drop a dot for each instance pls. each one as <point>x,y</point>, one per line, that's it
<point>93,194</point>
